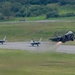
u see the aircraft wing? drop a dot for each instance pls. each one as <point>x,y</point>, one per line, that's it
<point>55,39</point>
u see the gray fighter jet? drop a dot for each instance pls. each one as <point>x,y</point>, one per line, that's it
<point>35,43</point>
<point>69,36</point>
<point>2,41</point>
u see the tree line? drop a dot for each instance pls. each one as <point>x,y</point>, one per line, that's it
<point>22,8</point>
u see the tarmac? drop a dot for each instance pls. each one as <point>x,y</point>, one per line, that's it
<point>44,47</point>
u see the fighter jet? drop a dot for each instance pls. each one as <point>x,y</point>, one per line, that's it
<point>35,43</point>
<point>69,36</point>
<point>2,41</point>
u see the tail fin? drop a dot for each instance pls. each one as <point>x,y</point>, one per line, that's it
<point>32,41</point>
<point>4,38</point>
<point>69,32</point>
<point>40,39</point>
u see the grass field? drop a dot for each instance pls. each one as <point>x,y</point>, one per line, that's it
<point>25,31</point>
<point>16,62</point>
<point>43,17</point>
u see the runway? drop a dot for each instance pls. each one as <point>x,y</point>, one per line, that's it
<point>44,46</point>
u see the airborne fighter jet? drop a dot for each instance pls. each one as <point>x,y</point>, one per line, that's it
<point>33,43</point>
<point>69,36</point>
<point>2,41</point>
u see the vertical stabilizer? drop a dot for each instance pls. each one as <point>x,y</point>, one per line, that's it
<point>40,39</point>
<point>4,38</point>
<point>69,32</point>
<point>32,41</point>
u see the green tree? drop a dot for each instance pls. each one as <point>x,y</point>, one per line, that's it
<point>52,14</point>
<point>6,9</point>
<point>1,16</point>
<point>63,2</point>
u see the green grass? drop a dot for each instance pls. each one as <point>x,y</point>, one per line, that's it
<point>25,31</point>
<point>66,9</point>
<point>43,17</point>
<point>16,62</point>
